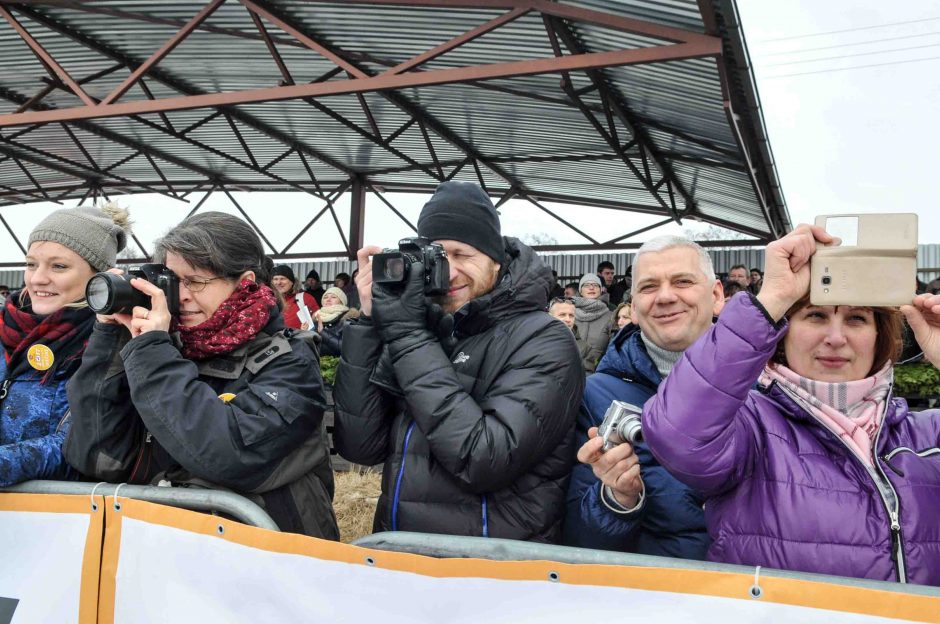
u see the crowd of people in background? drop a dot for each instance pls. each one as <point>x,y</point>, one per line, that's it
<point>770,434</point>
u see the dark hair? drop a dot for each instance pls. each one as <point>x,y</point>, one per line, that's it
<point>732,288</point>
<point>342,276</point>
<point>889,330</point>
<point>217,242</point>
<point>737,266</point>
<point>756,270</point>
<point>606,265</point>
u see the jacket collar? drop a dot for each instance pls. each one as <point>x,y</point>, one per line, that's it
<point>627,357</point>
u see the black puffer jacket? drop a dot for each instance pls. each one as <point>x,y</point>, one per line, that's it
<point>142,413</point>
<point>480,441</point>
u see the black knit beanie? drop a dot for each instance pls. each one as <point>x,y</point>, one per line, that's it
<point>284,271</point>
<point>462,211</point>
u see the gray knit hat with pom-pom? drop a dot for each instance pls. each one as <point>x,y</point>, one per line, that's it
<point>96,234</point>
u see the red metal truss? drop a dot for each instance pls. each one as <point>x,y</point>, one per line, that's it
<point>402,76</point>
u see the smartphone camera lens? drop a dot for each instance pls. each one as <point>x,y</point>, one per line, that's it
<point>826,280</point>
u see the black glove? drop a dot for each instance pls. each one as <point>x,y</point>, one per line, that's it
<point>400,316</point>
<point>442,324</point>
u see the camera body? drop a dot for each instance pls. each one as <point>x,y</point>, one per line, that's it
<point>621,424</point>
<point>107,293</point>
<point>392,267</point>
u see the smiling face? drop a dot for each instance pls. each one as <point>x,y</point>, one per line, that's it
<point>673,300</point>
<point>472,274</point>
<point>55,276</point>
<point>591,290</point>
<point>197,307</point>
<point>331,299</point>
<point>282,284</point>
<point>831,343</point>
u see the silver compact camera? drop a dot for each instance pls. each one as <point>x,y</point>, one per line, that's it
<point>621,424</point>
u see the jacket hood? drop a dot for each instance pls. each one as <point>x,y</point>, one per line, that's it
<point>626,357</point>
<point>523,285</point>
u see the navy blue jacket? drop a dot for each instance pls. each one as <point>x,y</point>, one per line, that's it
<point>671,522</point>
<point>32,427</point>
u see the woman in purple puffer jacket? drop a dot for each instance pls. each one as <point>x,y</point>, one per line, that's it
<point>819,469</point>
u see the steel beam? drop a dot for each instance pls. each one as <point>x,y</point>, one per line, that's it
<point>159,55</point>
<point>574,62</point>
<point>175,84</point>
<point>357,218</point>
<point>52,66</point>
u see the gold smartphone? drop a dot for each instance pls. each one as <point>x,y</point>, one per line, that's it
<point>876,264</point>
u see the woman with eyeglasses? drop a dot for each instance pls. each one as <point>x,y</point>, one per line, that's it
<point>220,395</point>
<point>44,328</point>
<point>592,318</point>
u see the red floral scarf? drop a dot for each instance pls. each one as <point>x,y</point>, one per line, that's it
<point>237,320</point>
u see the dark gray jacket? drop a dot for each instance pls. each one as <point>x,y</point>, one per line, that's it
<point>480,441</point>
<point>141,412</point>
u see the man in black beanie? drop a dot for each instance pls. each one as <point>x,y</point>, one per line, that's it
<point>471,412</point>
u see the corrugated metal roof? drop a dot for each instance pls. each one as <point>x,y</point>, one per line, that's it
<point>525,132</point>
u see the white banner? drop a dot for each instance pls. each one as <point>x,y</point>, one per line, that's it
<point>177,566</point>
<point>43,542</point>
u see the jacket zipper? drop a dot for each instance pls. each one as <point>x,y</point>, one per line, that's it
<point>401,473</point>
<point>897,542</point>
<point>903,449</point>
<point>145,449</point>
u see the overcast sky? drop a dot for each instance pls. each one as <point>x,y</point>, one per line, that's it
<point>849,91</point>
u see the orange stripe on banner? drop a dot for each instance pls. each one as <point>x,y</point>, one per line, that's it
<point>91,563</point>
<point>700,582</point>
<point>110,552</point>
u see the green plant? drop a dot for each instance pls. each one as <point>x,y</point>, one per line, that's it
<point>328,364</point>
<point>918,379</point>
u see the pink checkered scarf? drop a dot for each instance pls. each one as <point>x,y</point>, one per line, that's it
<point>852,409</point>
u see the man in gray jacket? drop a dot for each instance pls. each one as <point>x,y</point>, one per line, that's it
<point>473,414</point>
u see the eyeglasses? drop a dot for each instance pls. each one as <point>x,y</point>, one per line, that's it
<point>199,284</point>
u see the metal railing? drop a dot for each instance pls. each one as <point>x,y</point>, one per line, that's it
<point>453,546</point>
<point>197,499</point>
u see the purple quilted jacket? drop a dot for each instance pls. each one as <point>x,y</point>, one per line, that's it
<point>782,490</point>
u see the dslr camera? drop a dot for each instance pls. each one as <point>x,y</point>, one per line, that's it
<point>107,293</point>
<point>392,267</point>
<point>621,424</point>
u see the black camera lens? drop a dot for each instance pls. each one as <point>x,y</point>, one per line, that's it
<point>107,293</point>
<point>395,269</point>
<point>826,280</point>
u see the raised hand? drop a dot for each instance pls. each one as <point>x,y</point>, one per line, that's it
<point>786,268</point>
<point>923,315</point>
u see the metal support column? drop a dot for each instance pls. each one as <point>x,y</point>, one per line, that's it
<point>357,217</point>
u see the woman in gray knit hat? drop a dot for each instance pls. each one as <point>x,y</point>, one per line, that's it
<point>44,328</point>
<point>592,318</point>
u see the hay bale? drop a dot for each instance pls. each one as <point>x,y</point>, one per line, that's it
<point>357,494</point>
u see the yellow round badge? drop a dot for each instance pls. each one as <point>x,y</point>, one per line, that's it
<point>226,397</point>
<point>40,357</point>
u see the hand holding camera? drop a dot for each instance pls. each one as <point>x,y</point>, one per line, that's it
<point>609,452</point>
<point>143,300</point>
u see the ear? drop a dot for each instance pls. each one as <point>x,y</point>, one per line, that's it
<point>247,275</point>
<point>718,297</point>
